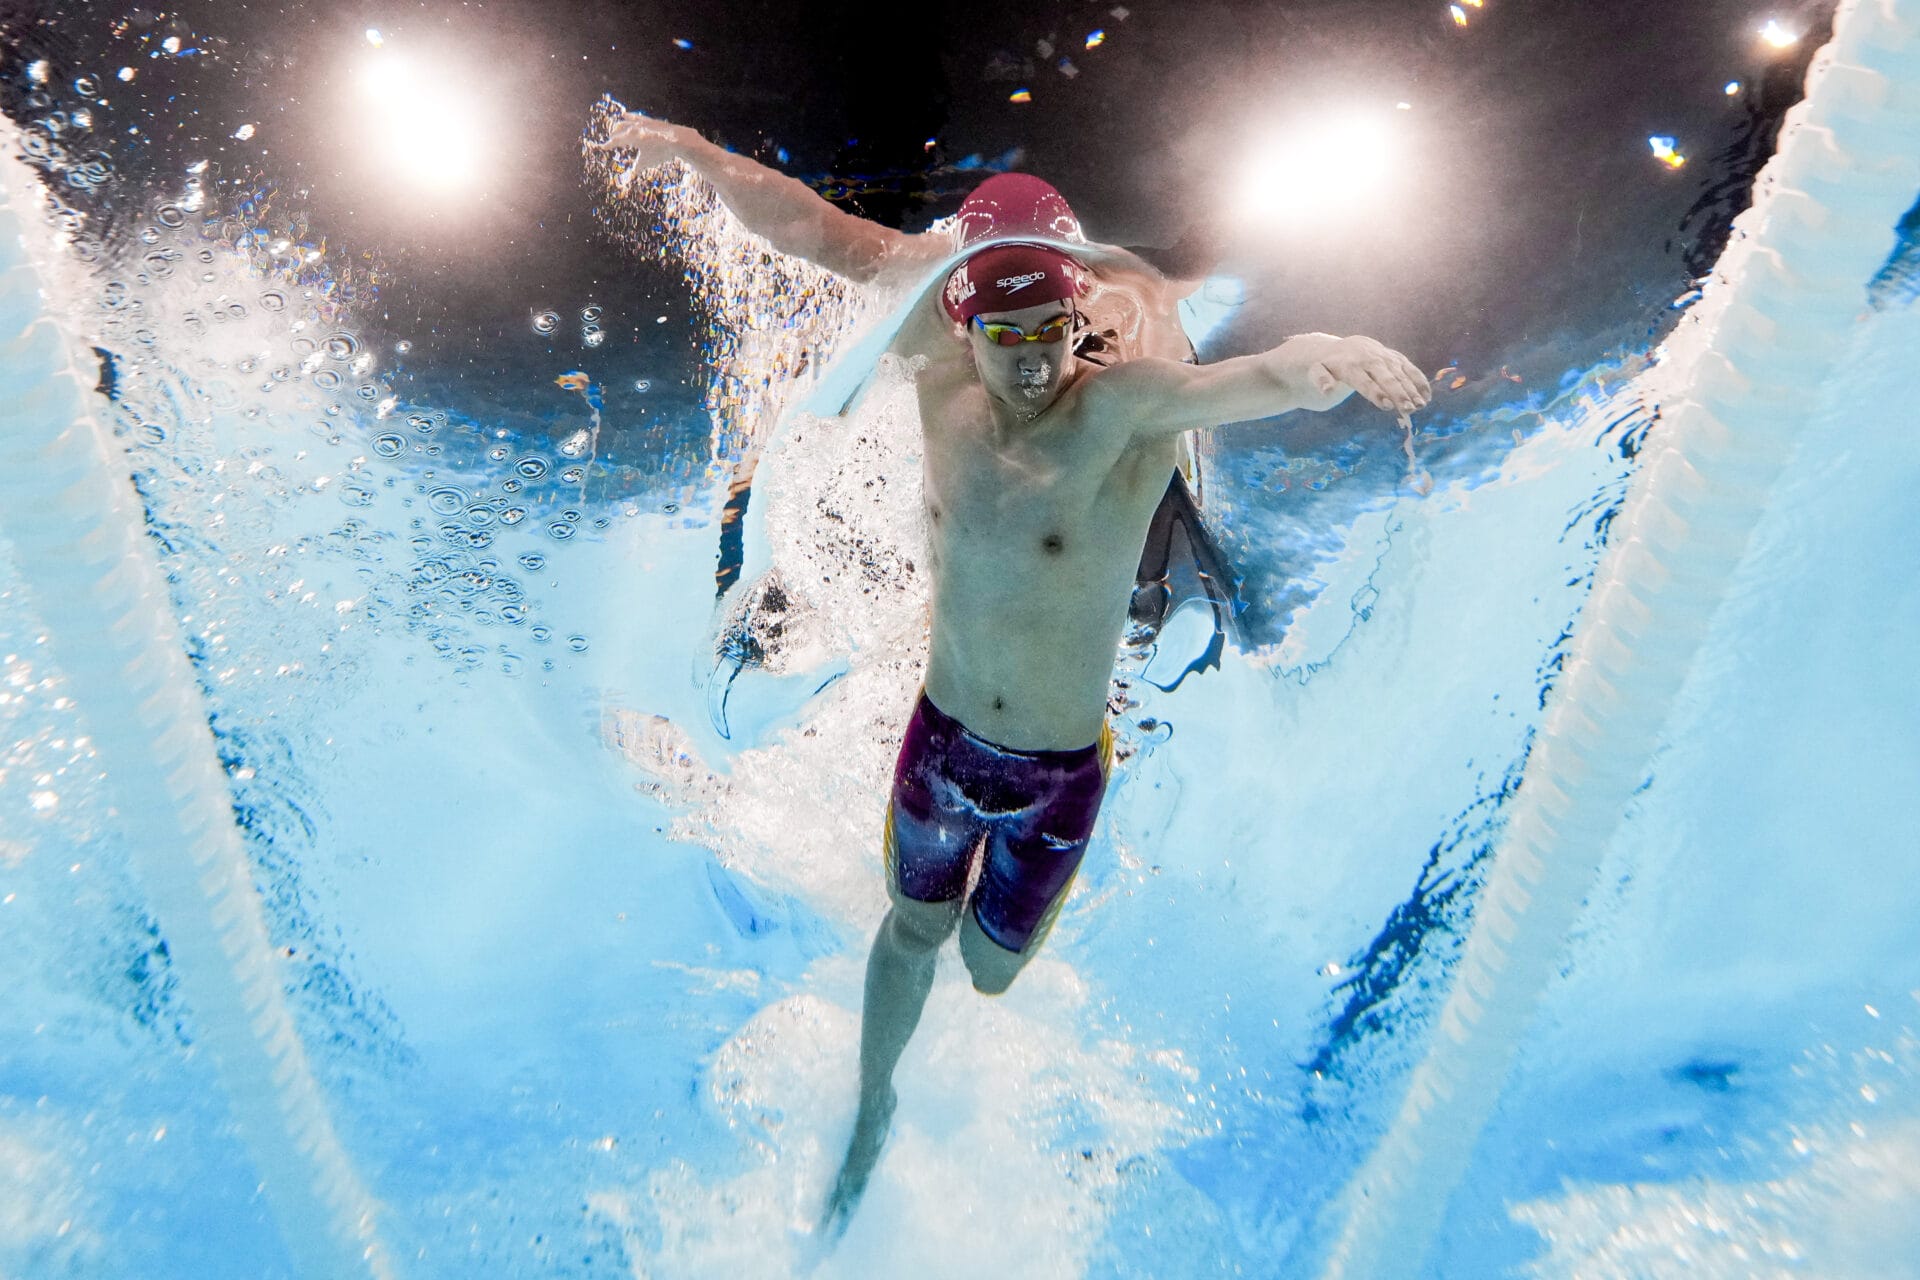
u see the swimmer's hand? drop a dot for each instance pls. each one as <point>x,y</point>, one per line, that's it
<point>1385,377</point>
<point>653,142</point>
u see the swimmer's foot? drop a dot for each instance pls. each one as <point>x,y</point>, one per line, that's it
<point>870,1129</point>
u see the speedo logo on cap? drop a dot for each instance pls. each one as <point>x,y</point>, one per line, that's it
<point>1014,284</point>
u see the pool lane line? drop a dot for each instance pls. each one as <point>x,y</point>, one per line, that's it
<point>67,504</point>
<point>1744,373</point>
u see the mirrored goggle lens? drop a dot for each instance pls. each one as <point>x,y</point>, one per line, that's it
<point>1012,335</point>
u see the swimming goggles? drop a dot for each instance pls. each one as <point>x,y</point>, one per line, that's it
<point>1012,335</point>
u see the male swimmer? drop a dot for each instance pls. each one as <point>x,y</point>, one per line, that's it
<point>1041,475</point>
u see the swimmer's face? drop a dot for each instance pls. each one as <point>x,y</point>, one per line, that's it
<point>1027,376</point>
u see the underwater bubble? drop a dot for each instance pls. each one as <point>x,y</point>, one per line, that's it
<point>577,643</point>
<point>561,529</point>
<point>571,517</point>
<point>480,515</point>
<point>420,422</point>
<point>572,475</point>
<point>602,522</point>
<point>460,535</point>
<point>546,322</point>
<point>403,346</point>
<point>368,391</point>
<point>388,445</point>
<point>512,664</point>
<point>114,295</point>
<point>353,495</point>
<point>86,86</point>
<point>447,500</point>
<point>498,453</point>
<point>542,634</point>
<point>171,216</point>
<point>341,346</point>
<point>671,507</point>
<point>533,560</point>
<point>593,337</point>
<point>532,467</point>
<point>644,384</point>
<point>590,315</point>
<point>326,379</point>
<point>513,515</point>
<point>511,485</point>
<point>273,300</point>
<point>514,614</point>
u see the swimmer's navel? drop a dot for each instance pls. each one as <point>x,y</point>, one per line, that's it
<point>1053,544</point>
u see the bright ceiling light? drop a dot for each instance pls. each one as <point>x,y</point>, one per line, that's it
<point>424,127</point>
<point>1778,36</point>
<point>1323,167</point>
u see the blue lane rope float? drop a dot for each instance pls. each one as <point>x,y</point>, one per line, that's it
<point>1748,369</point>
<point>67,505</point>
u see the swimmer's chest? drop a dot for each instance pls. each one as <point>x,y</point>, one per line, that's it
<point>1063,499</point>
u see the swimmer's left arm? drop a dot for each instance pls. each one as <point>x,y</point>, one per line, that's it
<point>1312,371</point>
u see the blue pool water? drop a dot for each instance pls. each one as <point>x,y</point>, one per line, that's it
<point>572,931</point>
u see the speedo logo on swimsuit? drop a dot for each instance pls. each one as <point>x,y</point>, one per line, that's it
<point>1014,284</point>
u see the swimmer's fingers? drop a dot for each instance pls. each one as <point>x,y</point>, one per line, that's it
<point>1370,382</point>
<point>1419,390</point>
<point>1403,380</point>
<point>1385,377</point>
<point>1385,383</point>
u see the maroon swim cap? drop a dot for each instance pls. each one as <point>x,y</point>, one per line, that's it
<point>1007,277</point>
<point>1016,205</point>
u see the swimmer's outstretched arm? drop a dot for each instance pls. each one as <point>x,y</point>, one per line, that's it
<point>791,216</point>
<point>1313,371</point>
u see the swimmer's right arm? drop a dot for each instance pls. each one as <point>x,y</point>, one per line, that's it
<point>1312,371</point>
<point>790,215</point>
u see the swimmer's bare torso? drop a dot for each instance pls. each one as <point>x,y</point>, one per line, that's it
<point>1034,525</point>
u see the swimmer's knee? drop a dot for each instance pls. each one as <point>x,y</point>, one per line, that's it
<point>993,966</point>
<point>923,924</point>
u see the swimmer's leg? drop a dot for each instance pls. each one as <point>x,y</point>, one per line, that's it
<point>996,958</point>
<point>1032,858</point>
<point>899,977</point>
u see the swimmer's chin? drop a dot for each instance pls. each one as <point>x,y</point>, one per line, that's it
<point>1028,401</point>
